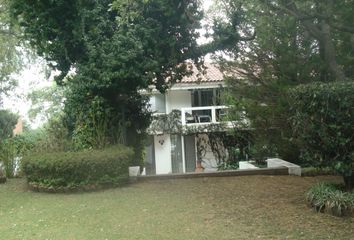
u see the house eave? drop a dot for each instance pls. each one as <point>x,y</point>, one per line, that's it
<point>202,85</point>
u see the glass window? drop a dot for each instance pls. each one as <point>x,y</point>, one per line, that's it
<point>176,154</point>
<point>158,103</point>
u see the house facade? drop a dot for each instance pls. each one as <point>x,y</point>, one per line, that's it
<point>182,116</point>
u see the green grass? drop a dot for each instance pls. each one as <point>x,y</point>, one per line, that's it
<point>252,207</point>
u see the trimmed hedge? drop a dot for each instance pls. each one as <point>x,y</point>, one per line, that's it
<point>78,170</point>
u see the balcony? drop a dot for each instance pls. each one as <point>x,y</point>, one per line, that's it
<point>196,116</point>
<point>189,120</point>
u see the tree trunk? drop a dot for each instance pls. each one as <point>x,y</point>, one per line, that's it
<point>330,52</point>
<point>322,32</point>
<point>348,183</point>
<point>324,70</point>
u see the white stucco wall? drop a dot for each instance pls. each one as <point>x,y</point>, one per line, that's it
<point>157,103</point>
<point>163,154</point>
<point>178,99</point>
<point>152,103</point>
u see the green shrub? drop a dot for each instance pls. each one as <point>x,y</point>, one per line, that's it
<point>49,138</point>
<point>327,197</point>
<point>228,166</point>
<point>323,117</point>
<point>315,171</point>
<point>8,122</point>
<point>11,152</point>
<point>77,169</point>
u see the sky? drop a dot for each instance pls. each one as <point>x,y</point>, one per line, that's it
<point>33,77</point>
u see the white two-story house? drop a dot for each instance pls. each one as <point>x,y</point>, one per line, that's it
<point>194,104</point>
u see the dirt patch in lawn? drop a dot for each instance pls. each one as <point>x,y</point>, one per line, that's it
<point>249,207</point>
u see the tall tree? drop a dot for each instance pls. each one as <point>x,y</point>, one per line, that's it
<point>10,54</point>
<point>115,49</point>
<point>283,52</point>
<point>323,20</point>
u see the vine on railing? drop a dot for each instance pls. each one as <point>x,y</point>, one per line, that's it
<point>227,145</point>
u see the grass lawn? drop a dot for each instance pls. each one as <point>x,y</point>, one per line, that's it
<point>250,207</point>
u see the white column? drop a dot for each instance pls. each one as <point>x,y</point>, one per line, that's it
<point>183,113</point>
<point>167,102</point>
<point>213,115</point>
<point>183,154</point>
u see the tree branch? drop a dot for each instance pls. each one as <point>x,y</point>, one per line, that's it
<point>8,33</point>
<point>342,27</point>
<point>292,10</point>
<point>248,38</point>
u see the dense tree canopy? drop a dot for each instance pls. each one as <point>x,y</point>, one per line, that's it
<point>143,41</point>
<point>111,50</point>
<point>289,43</point>
<point>10,54</point>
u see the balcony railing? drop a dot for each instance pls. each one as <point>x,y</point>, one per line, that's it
<point>203,115</point>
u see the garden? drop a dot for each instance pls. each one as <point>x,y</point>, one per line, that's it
<point>288,85</point>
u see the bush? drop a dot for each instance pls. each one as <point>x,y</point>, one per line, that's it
<point>323,117</point>
<point>8,122</point>
<point>7,157</point>
<point>46,139</point>
<point>315,171</point>
<point>327,197</point>
<point>78,169</point>
<point>11,152</point>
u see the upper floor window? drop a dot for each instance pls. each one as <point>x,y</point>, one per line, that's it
<point>158,103</point>
<point>206,97</point>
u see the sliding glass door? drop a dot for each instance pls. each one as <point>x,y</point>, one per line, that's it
<point>176,154</point>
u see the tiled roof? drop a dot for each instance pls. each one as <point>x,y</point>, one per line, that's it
<point>211,74</point>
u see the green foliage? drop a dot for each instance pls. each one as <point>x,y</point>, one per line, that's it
<point>11,152</point>
<point>55,136</point>
<point>166,123</point>
<point>95,129</point>
<point>51,137</point>
<point>230,147</point>
<point>316,171</point>
<point>264,68</point>
<point>322,118</point>
<point>46,102</point>
<point>261,151</point>
<point>228,166</point>
<point>10,53</point>
<point>137,39</point>
<point>328,197</point>
<point>7,157</point>
<point>116,49</point>
<point>288,49</point>
<point>8,122</point>
<point>77,169</point>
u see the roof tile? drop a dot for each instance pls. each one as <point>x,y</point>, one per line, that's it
<point>212,74</point>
